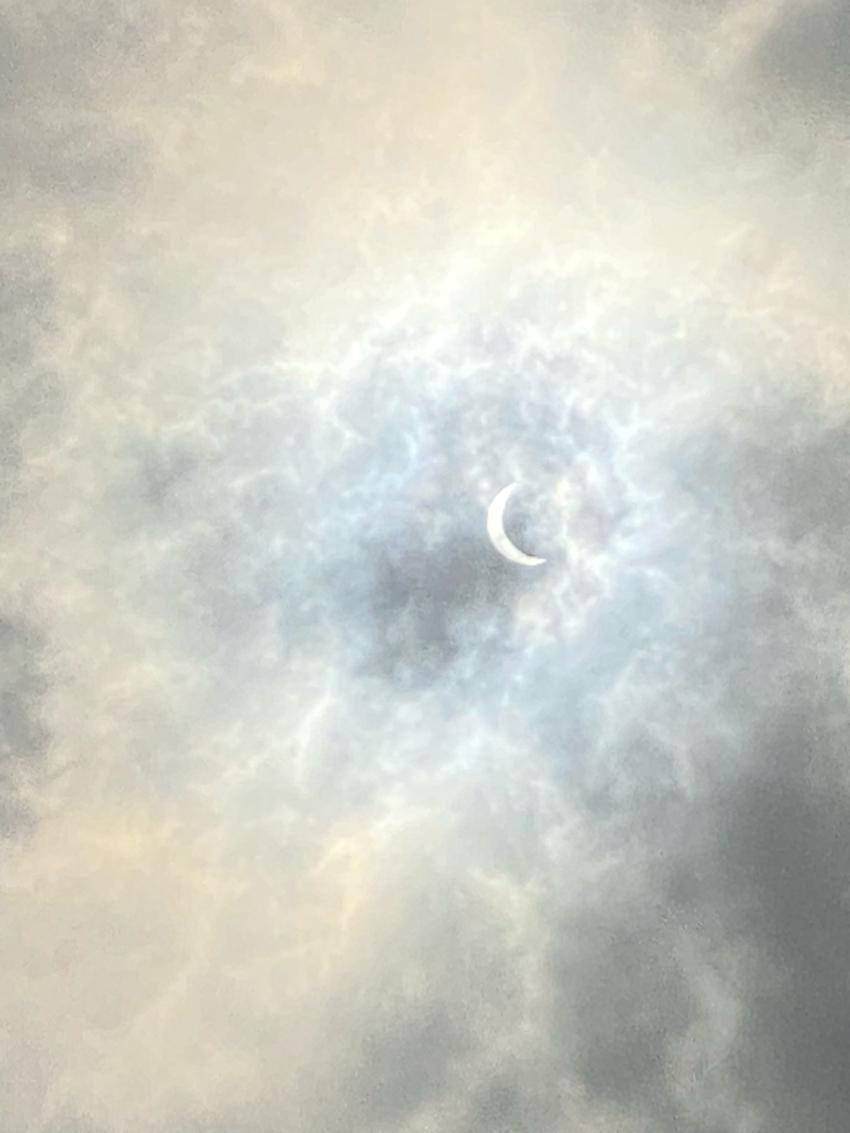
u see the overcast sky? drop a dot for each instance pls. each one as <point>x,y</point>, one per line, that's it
<point>316,814</point>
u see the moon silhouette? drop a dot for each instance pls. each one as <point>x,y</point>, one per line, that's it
<point>498,535</point>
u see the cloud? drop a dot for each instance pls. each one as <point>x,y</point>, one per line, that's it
<point>803,55</point>
<point>24,736</point>
<point>317,814</point>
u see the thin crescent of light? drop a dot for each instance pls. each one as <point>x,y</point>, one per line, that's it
<point>498,535</point>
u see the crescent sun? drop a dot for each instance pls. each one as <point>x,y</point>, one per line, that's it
<point>498,535</point>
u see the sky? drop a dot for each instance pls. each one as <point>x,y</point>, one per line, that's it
<point>316,814</point>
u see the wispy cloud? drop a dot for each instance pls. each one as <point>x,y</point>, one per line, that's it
<point>316,814</point>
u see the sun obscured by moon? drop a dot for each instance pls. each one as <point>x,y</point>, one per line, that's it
<point>573,521</point>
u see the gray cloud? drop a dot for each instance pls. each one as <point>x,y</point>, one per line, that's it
<point>805,54</point>
<point>24,736</point>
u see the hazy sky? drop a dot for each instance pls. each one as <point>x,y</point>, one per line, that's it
<point>317,815</point>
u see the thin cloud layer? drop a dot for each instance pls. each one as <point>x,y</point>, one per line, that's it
<point>317,814</point>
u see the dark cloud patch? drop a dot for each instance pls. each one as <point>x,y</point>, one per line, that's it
<point>626,1005</point>
<point>508,1101</point>
<point>67,54</point>
<point>723,793</point>
<point>24,737</point>
<point>805,54</point>
<point>754,857</point>
<point>782,867</point>
<point>63,139</point>
<point>31,390</point>
<point>757,862</point>
<point>79,55</point>
<point>156,482</point>
<point>411,611</point>
<point>76,81</point>
<point>28,292</point>
<point>402,1054</point>
<point>10,461</point>
<point>162,471</point>
<point>76,161</point>
<point>777,470</point>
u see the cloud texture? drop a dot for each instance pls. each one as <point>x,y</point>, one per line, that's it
<point>315,814</point>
